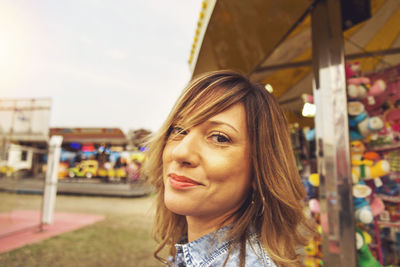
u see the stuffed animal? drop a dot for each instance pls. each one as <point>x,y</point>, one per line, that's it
<point>353,69</point>
<point>357,88</point>
<point>310,134</point>
<point>313,203</point>
<point>357,151</point>
<point>364,255</point>
<point>314,179</point>
<point>377,206</point>
<point>361,87</point>
<point>377,88</point>
<point>373,171</point>
<point>362,126</point>
<point>392,116</point>
<point>362,209</point>
<point>366,168</point>
<point>355,108</point>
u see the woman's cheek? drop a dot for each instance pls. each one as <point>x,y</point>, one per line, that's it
<point>221,168</point>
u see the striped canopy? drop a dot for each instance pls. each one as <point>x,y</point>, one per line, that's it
<point>271,42</point>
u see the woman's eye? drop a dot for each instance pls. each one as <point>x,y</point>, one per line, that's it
<point>176,132</point>
<point>220,138</point>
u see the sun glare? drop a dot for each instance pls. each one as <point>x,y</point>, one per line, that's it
<point>15,49</point>
<point>2,50</point>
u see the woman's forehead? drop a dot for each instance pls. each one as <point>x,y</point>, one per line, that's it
<point>198,106</point>
<point>232,115</point>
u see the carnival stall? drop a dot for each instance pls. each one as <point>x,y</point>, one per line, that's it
<point>100,153</point>
<point>348,154</point>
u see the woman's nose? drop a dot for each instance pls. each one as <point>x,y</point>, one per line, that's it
<point>186,150</point>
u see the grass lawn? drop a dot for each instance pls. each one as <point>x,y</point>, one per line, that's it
<point>122,239</point>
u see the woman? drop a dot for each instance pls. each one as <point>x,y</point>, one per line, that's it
<point>228,191</point>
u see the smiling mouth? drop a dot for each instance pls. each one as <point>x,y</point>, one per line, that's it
<point>181,182</point>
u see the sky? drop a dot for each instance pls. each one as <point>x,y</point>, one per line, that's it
<point>104,63</point>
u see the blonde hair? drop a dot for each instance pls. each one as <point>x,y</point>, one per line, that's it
<point>276,210</point>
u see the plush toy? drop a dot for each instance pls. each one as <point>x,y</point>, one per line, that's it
<point>313,203</point>
<point>312,262</point>
<point>377,88</point>
<point>392,116</point>
<point>311,191</point>
<point>364,255</point>
<point>376,170</point>
<point>365,168</point>
<point>363,212</point>
<point>362,209</point>
<point>353,69</point>
<point>357,151</point>
<point>355,108</point>
<point>310,134</point>
<point>361,87</point>
<point>357,88</point>
<point>389,188</point>
<point>362,126</point>
<point>377,206</point>
<point>314,179</point>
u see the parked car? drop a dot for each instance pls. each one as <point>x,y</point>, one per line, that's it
<point>86,168</point>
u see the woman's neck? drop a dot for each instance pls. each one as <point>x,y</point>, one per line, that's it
<point>198,227</point>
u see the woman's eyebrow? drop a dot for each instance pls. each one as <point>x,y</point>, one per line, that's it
<point>216,122</point>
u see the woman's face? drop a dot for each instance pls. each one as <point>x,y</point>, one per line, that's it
<point>206,169</point>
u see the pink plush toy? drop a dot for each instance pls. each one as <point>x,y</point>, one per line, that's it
<point>360,88</point>
<point>353,69</point>
<point>377,206</point>
<point>377,88</point>
<point>392,116</point>
<point>357,87</point>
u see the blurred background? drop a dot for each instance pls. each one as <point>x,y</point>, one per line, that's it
<point>83,83</point>
<point>102,75</point>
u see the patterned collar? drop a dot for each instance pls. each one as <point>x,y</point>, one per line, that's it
<point>207,250</point>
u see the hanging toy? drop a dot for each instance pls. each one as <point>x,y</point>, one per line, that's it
<point>362,209</point>
<point>364,255</point>
<point>361,125</point>
<point>313,203</point>
<point>361,88</point>
<point>364,168</point>
<point>353,69</point>
<point>377,206</point>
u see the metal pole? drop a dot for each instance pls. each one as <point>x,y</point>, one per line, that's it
<point>337,219</point>
<point>50,186</point>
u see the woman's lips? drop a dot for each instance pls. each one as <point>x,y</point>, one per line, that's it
<point>181,182</point>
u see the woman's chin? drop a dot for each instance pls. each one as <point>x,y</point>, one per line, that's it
<point>178,208</point>
<point>177,204</point>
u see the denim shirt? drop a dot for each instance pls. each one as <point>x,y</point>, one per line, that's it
<point>212,250</point>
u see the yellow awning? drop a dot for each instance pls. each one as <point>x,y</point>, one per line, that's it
<point>271,42</point>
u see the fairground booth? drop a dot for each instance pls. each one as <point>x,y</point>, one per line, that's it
<point>97,153</point>
<point>334,68</point>
<point>24,131</point>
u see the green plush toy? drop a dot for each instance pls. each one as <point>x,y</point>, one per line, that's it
<point>364,255</point>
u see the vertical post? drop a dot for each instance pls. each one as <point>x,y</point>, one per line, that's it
<point>50,186</point>
<point>337,219</point>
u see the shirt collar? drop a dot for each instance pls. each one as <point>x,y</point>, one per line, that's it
<point>204,248</point>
